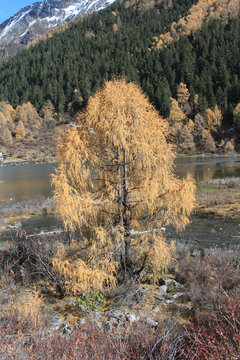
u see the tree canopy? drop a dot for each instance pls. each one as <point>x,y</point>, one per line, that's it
<point>115,185</point>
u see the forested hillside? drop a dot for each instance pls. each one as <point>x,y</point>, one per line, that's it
<point>67,68</point>
<point>203,11</point>
<point>73,64</point>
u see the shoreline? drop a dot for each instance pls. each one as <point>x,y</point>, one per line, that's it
<point>26,162</point>
<point>16,162</point>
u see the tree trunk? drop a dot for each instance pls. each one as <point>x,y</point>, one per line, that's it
<point>120,200</point>
<point>128,271</point>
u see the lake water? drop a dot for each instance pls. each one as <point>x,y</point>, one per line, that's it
<point>208,168</point>
<point>24,182</point>
<point>31,181</point>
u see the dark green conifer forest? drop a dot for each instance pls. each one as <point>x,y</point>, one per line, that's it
<point>73,64</point>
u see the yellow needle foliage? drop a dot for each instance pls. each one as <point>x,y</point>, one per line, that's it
<point>115,185</point>
<point>204,10</point>
<point>213,119</point>
<point>20,131</point>
<point>176,114</point>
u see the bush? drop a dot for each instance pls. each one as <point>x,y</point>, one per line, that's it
<point>29,259</point>
<point>211,276</point>
<point>216,335</point>
<point>89,343</point>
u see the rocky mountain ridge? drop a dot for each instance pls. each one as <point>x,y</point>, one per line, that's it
<point>33,21</point>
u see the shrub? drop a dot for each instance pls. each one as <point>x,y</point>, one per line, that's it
<point>215,335</point>
<point>89,343</point>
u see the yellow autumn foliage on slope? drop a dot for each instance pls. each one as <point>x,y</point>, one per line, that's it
<point>204,10</point>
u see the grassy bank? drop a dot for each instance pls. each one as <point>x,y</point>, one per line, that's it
<point>219,198</point>
<point>11,213</point>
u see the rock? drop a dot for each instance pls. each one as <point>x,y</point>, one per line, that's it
<point>116,314</point>
<point>162,290</point>
<point>132,317</point>
<point>182,297</point>
<point>83,321</point>
<point>155,310</point>
<point>152,322</point>
<point>29,341</point>
<point>116,325</point>
<point>66,329</point>
<point>54,322</point>
<point>185,312</point>
<point>70,301</point>
<point>96,315</point>
<point>107,327</point>
<point>44,290</point>
<point>167,301</point>
<point>197,252</point>
<point>172,284</point>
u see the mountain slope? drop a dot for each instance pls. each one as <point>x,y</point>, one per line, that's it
<point>67,68</point>
<point>81,58</point>
<point>33,21</point>
<point>203,11</point>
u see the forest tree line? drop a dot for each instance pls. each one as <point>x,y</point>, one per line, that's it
<point>67,68</point>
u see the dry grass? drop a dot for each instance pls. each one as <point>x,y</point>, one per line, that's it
<point>221,199</point>
<point>27,307</point>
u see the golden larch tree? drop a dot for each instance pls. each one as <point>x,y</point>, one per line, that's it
<point>213,119</point>
<point>176,114</point>
<point>187,145</point>
<point>20,130</point>
<point>115,185</point>
<point>3,121</point>
<point>202,11</point>
<point>6,136</point>
<point>236,111</point>
<point>9,115</point>
<point>207,142</point>
<point>47,112</point>
<point>28,115</point>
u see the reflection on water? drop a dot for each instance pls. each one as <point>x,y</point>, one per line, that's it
<point>208,168</point>
<point>31,181</point>
<point>25,182</point>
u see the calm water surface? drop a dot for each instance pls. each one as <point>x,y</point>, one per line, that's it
<point>25,182</point>
<point>31,181</point>
<point>208,168</point>
<point>19,183</point>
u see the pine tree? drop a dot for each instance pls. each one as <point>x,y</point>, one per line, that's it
<point>236,116</point>
<point>182,94</point>
<point>115,185</point>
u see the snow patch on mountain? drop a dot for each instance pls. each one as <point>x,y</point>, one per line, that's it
<point>44,15</point>
<point>13,23</point>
